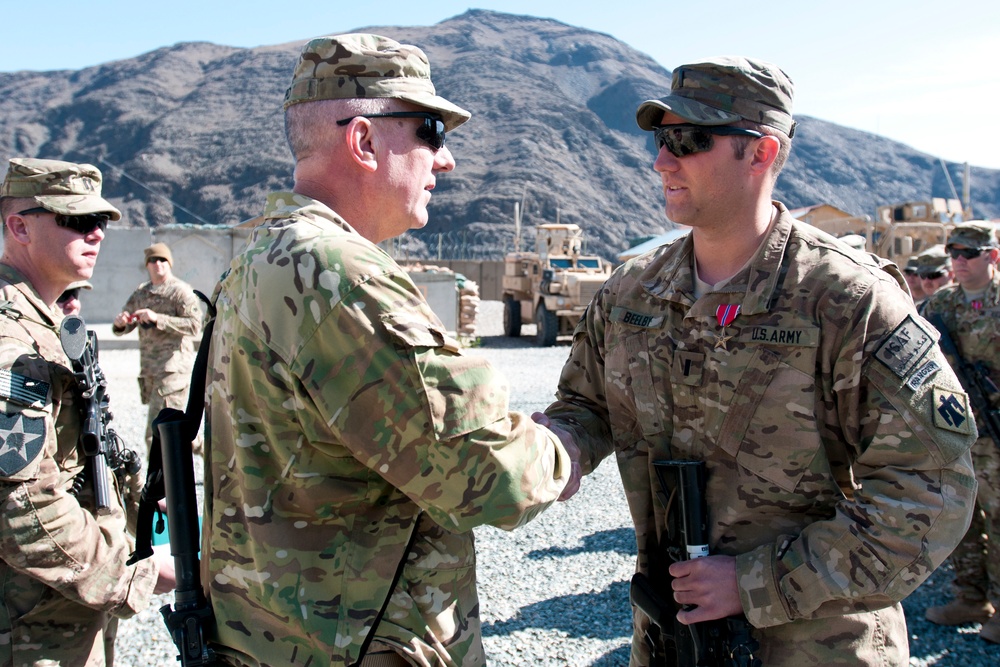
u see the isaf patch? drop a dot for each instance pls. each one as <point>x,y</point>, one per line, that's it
<point>23,389</point>
<point>905,347</point>
<point>951,411</point>
<point>21,440</point>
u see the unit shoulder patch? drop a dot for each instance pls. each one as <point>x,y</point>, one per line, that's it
<point>21,440</point>
<point>905,346</point>
<point>951,411</point>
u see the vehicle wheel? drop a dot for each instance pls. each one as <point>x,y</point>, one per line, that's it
<point>511,317</point>
<point>548,326</point>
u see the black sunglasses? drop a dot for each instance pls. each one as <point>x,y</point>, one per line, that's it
<point>966,253</point>
<point>81,224</point>
<point>431,131</point>
<point>68,295</point>
<point>686,139</point>
<point>934,275</point>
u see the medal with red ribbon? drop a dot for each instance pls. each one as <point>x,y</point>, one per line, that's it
<point>725,314</point>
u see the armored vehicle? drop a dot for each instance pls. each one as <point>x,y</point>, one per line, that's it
<point>552,285</point>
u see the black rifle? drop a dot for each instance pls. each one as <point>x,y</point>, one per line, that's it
<point>100,444</point>
<point>975,378</point>
<point>171,474</point>
<point>725,642</point>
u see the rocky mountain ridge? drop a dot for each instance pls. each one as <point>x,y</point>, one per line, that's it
<point>193,133</point>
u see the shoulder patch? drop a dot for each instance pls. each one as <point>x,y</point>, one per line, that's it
<point>951,411</point>
<point>905,346</point>
<point>22,389</point>
<point>923,374</point>
<point>21,440</point>
<point>632,318</point>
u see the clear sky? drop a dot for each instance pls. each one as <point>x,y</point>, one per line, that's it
<point>926,73</point>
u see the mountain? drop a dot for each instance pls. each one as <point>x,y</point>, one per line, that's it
<point>193,133</point>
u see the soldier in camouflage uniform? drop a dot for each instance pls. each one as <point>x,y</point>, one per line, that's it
<point>934,271</point>
<point>971,312</point>
<point>167,313</point>
<point>63,578</point>
<point>835,435</point>
<point>353,445</point>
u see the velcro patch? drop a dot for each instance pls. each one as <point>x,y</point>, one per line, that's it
<point>781,336</point>
<point>905,347</point>
<point>22,389</point>
<point>632,318</point>
<point>921,376</point>
<point>951,411</point>
<point>21,439</point>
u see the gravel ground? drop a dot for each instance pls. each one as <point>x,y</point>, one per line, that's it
<point>553,593</point>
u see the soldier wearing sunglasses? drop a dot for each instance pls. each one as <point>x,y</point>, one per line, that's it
<point>62,563</point>
<point>353,445</point>
<point>970,310</point>
<point>834,433</point>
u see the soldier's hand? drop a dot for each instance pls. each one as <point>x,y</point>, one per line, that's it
<point>573,485</point>
<point>122,319</point>
<point>144,316</point>
<point>708,586</point>
<point>166,580</point>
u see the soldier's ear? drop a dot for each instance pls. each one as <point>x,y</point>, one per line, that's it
<point>18,229</point>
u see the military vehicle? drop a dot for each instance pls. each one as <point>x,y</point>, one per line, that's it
<point>552,285</point>
<point>900,231</point>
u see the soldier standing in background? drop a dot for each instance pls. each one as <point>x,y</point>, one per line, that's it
<point>69,300</point>
<point>353,446</point>
<point>169,318</point>
<point>62,564</point>
<point>913,280</point>
<point>934,271</point>
<point>970,310</point>
<point>796,370</point>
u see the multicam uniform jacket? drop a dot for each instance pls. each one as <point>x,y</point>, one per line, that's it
<point>835,434</point>
<point>341,414</point>
<point>975,327</point>
<point>166,349</point>
<point>63,577</point>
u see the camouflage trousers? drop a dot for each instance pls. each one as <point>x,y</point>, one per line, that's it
<point>176,400</point>
<point>977,557</point>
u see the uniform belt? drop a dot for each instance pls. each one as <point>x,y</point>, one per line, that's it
<point>384,659</point>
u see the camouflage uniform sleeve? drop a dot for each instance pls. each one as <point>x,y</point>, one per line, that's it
<point>431,421</point>
<point>911,488</point>
<point>187,322</point>
<point>581,406</point>
<point>130,307</point>
<point>44,531</point>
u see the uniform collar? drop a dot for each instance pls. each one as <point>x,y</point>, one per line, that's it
<point>17,280</point>
<point>672,278</point>
<point>281,206</point>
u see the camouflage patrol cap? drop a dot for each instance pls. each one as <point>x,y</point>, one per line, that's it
<point>359,65</point>
<point>973,235</point>
<point>911,265</point>
<point>933,260</point>
<point>725,90</point>
<point>60,187</point>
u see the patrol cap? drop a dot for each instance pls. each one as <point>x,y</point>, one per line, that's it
<point>724,90</point>
<point>160,251</point>
<point>933,260</point>
<point>60,187</point>
<point>973,235</point>
<point>360,65</point>
<point>911,265</point>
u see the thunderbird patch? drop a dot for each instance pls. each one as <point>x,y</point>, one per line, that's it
<point>22,389</point>
<point>905,347</point>
<point>21,439</point>
<point>951,411</point>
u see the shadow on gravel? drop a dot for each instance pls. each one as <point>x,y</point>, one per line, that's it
<point>600,615</point>
<point>617,658</point>
<point>940,646</point>
<point>621,540</point>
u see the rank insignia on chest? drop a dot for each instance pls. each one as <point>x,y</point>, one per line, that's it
<point>951,411</point>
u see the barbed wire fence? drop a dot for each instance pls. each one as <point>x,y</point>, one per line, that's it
<point>465,244</point>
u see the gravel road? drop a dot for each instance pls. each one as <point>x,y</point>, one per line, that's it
<point>555,592</point>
